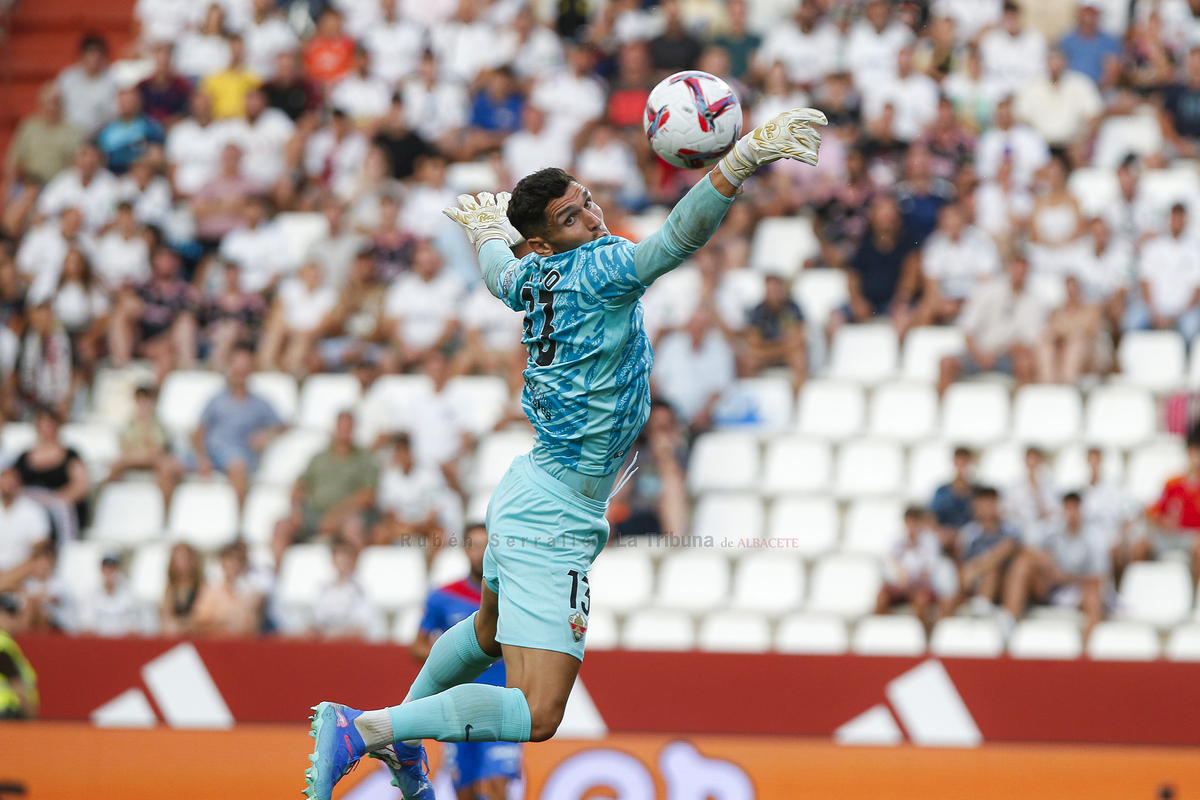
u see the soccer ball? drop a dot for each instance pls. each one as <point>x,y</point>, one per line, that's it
<point>692,119</point>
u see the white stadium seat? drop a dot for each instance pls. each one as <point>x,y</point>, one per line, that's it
<point>301,230</point>
<point>279,389</point>
<point>1121,136</point>
<point>148,572</point>
<point>868,467</point>
<point>1094,188</point>
<point>406,624</point>
<point>781,245</point>
<point>1046,416</point>
<point>975,413</point>
<point>924,349</point>
<point>1071,468</point>
<point>266,504</point>
<point>16,438</point>
<point>723,461</point>
<point>303,570</point>
<point>819,292</point>
<point>98,444</point>
<point>450,564</point>
<point>966,637</point>
<point>472,177</point>
<point>762,405</point>
<point>812,522</point>
<point>693,581</point>
<point>1151,465</point>
<point>603,632</point>
<point>865,354</point>
<point>385,405</point>
<point>1120,416</point>
<point>128,513</point>
<point>112,392</point>
<point>873,526</point>
<point>495,455</point>
<point>845,585</point>
<point>1002,464</point>
<point>1156,592</point>
<point>1045,639</point>
<point>906,412</point>
<point>830,409</point>
<point>796,464</point>
<point>391,576</point>
<point>324,396</point>
<point>930,465</point>
<point>79,566</point>
<point>1123,641</point>
<point>1183,644</point>
<point>204,515</point>
<point>655,629</point>
<point>288,454</point>
<point>734,632</point>
<point>888,635</point>
<point>622,579</point>
<point>812,634</point>
<point>1160,189</point>
<point>1151,359</point>
<point>483,396</point>
<point>737,516</point>
<point>183,396</point>
<point>768,582</point>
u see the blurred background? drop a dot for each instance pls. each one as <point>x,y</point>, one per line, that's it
<point>922,474</point>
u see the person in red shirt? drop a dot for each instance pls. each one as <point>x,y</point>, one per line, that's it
<point>329,54</point>
<point>1175,517</point>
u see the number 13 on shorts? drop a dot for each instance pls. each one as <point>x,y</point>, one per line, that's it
<point>580,604</point>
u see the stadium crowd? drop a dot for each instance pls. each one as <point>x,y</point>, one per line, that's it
<point>152,209</point>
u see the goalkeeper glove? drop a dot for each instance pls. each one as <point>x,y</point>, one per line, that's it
<point>485,219</point>
<point>786,135</point>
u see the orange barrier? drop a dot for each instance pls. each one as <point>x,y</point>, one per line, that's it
<point>61,761</point>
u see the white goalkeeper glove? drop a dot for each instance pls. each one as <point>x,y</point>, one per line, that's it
<point>786,135</point>
<point>485,219</point>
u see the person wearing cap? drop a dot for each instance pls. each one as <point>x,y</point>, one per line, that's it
<point>112,609</point>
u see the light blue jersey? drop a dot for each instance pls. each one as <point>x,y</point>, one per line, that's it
<point>587,381</point>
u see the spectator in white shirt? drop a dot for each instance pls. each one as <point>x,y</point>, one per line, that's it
<point>422,307</point>
<point>395,44</point>
<point>258,247</point>
<point>263,136</point>
<point>148,190</point>
<point>335,154</point>
<point>913,97</point>
<point>363,95</point>
<point>194,146</point>
<point>415,502</point>
<point>166,20</point>
<point>807,47</point>
<point>301,306</point>
<point>469,44</point>
<point>89,91</point>
<point>1104,265</point>
<point>1169,280</point>
<point>40,256</point>
<point>607,160</point>
<point>342,609</point>
<point>1031,503</point>
<point>121,257</point>
<point>1060,105</point>
<point>438,422</point>
<point>971,17</point>
<point>1010,139</point>
<point>87,186</point>
<point>570,98</point>
<point>201,52</point>
<point>1013,55</point>
<point>974,96</point>
<point>535,146</point>
<point>911,568</point>
<point>112,610</point>
<point>956,258</point>
<point>873,44</point>
<point>1001,321</point>
<point>24,525</point>
<point>692,369</point>
<point>266,36</point>
<point>436,104</point>
<point>492,338</point>
<point>539,51</point>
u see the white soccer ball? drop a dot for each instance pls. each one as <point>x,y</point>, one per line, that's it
<point>692,119</point>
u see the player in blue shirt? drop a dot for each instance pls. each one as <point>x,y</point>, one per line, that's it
<point>587,393</point>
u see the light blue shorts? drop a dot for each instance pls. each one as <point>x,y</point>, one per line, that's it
<point>542,539</point>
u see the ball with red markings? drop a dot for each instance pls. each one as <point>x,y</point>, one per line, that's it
<point>692,119</point>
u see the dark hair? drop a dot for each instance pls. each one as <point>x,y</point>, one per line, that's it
<point>985,493</point>
<point>145,391</point>
<point>401,439</point>
<point>527,209</point>
<point>243,347</point>
<point>964,452</point>
<point>93,41</point>
<point>1072,497</point>
<point>914,512</point>
<point>1179,208</point>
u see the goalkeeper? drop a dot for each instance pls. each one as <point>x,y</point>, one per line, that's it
<point>587,394</point>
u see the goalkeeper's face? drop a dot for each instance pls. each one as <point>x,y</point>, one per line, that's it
<point>572,220</point>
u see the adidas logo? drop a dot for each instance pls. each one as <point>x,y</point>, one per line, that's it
<point>183,692</point>
<point>929,708</point>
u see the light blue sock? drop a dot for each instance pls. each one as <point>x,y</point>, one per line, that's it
<point>473,712</point>
<point>455,658</point>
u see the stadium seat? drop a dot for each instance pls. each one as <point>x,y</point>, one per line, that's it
<point>737,516</point>
<point>1184,643</point>
<point>266,504</point>
<point>1045,639</point>
<point>1151,465</point>
<point>868,467</point>
<point>450,564</point>
<point>16,438</point>
<point>1123,641</point>
<point>1121,136</point>
<point>1046,416</point>
<point>1156,592</point>
<point>647,222</point>
<point>655,629</point>
<point>326,395</point>
<point>148,572</point>
<point>472,177</point>
<point>873,526</point>
<point>966,637</point>
<point>924,349</point>
<point>723,461</point>
<point>930,465</point>
<point>477,505</point>
<point>888,635</point>
<point>279,389</point>
<point>830,409</point>
<point>287,456</point>
<point>79,566</point>
<point>1002,464</point>
<point>112,392</point>
<point>385,405</point>
<point>695,581</point>
<point>484,397</point>
<point>1094,188</point>
<point>98,444</point>
<point>734,632</point>
<point>866,354</point>
<point>392,577</point>
<point>975,414</point>
<point>602,632</point>
<point>128,513</point>
<point>781,245</point>
<point>1160,189</point>
<point>819,292</point>
<point>406,624</point>
<point>1153,360</point>
<point>761,405</point>
<point>767,582</point>
<point>1120,416</point>
<point>795,464</point>
<point>845,585</point>
<point>811,521</point>
<point>301,230</point>
<point>1049,289</point>
<point>906,412</point>
<point>738,292</point>
<point>622,579</point>
<point>183,396</point>
<point>1071,468</point>
<point>205,515</point>
<point>495,455</point>
<point>811,634</point>
<point>303,570</point>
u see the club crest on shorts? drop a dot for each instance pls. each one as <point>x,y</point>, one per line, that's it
<point>578,626</point>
